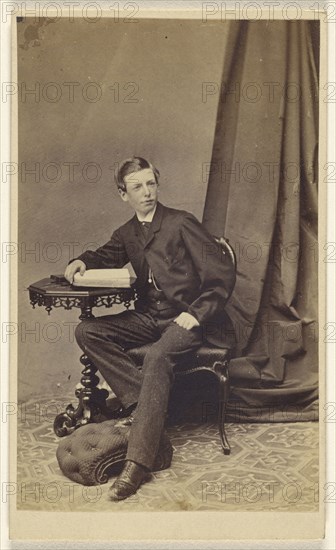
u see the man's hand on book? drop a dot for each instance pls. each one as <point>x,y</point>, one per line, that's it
<point>72,268</point>
<point>186,320</point>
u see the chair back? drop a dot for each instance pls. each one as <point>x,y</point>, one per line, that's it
<point>227,250</point>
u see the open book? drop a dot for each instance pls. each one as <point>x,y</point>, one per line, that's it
<point>117,278</point>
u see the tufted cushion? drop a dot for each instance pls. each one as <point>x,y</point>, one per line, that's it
<point>89,455</point>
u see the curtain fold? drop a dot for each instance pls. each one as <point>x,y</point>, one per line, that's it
<point>262,196</point>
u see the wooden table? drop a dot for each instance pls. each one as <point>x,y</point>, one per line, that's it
<point>56,292</point>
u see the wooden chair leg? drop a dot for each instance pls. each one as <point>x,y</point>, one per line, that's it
<point>223,398</point>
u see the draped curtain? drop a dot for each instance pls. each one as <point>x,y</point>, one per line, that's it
<point>262,196</point>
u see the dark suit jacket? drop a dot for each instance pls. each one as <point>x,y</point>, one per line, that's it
<point>188,265</point>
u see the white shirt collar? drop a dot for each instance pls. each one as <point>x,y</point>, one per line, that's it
<point>148,218</point>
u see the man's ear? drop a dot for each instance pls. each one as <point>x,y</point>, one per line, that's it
<point>123,195</point>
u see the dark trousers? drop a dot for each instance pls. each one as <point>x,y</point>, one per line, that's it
<point>105,340</point>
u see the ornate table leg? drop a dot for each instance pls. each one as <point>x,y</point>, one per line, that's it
<point>92,403</point>
<point>92,400</point>
<point>86,312</point>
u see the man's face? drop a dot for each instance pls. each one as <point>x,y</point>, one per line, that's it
<point>141,191</point>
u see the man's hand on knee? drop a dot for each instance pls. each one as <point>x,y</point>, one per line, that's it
<point>186,320</point>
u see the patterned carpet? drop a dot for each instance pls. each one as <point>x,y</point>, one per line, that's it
<point>271,467</point>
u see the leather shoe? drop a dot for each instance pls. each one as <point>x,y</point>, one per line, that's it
<point>128,482</point>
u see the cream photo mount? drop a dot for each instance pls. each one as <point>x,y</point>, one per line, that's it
<point>181,525</point>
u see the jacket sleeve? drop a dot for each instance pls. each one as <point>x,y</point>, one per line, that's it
<point>215,270</point>
<point>111,255</point>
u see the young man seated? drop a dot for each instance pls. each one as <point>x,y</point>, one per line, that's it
<point>182,288</point>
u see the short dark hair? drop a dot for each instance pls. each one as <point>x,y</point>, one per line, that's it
<point>131,165</point>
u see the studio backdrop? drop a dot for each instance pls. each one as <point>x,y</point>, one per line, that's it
<point>262,196</point>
